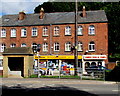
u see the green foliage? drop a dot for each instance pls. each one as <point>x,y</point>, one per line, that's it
<point>112,10</point>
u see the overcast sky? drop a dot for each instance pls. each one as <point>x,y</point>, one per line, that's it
<point>15,6</point>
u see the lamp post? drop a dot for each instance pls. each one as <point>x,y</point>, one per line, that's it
<point>36,50</point>
<point>76,39</point>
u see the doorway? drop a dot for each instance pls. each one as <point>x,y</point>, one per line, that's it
<point>16,64</point>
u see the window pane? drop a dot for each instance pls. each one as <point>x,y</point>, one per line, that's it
<point>13,32</point>
<point>67,30</point>
<point>80,30</point>
<point>45,31</point>
<point>34,31</point>
<point>91,30</point>
<point>3,33</point>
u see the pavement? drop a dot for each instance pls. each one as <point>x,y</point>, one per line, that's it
<point>57,87</point>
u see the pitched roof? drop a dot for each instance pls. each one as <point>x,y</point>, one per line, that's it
<point>18,51</point>
<point>54,18</point>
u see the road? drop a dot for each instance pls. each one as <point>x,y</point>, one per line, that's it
<point>58,87</point>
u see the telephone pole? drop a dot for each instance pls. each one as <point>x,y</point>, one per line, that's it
<point>76,39</point>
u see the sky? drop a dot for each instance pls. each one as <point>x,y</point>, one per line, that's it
<point>15,6</point>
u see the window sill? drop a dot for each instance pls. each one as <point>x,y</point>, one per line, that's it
<point>91,34</point>
<point>68,51</point>
<point>79,35</point>
<point>24,37</point>
<point>56,36</point>
<point>45,36</point>
<point>12,37</point>
<point>68,35</point>
<point>91,50</point>
<point>33,36</point>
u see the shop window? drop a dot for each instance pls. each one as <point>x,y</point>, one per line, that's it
<point>87,65</point>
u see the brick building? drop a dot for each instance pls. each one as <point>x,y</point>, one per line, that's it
<point>55,34</point>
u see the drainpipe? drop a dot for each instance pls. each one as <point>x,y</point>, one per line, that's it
<point>50,39</point>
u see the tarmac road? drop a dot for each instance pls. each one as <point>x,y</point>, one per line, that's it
<point>57,87</point>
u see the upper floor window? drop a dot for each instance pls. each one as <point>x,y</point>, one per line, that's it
<point>23,32</point>
<point>34,47</point>
<point>56,46</point>
<point>3,33</point>
<point>56,31</point>
<point>23,45</point>
<point>91,30</point>
<point>13,45</point>
<point>68,46</point>
<point>67,30</point>
<point>34,32</point>
<point>13,32</point>
<point>91,46</point>
<point>45,31</point>
<point>45,47</point>
<point>2,47</point>
<point>80,30</point>
<point>80,46</point>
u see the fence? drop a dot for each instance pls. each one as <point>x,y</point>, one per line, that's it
<point>64,72</point>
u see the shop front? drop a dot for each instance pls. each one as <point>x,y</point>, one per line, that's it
<point>93,61</point>
<point>56,62</point>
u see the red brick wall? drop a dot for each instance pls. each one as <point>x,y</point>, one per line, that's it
<point>100,38</point>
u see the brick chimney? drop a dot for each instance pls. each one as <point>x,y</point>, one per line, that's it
<point>41,13</point>
<point>21,15</point>
<point>84,12</point>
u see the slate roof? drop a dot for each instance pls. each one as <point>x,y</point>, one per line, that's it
<point>18,51</point>
<point>53,18</point>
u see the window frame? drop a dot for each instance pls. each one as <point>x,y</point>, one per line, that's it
<point>67,31</point>
<point>80,46</point>
<point>13,33</point>
<point>45,47</point>
<point>3,32</point>
<point>25,45</point>
<point>23,32</point>
<point>91,46</point>
<point>45,31</point>
<point>13,45</point>
<point>34,31</point>
<point>80,30</point>
<point>56,46</point>
<point>56,31</point>
<point>68,46</point>
<point>91,30</point>
<point>2,47</point>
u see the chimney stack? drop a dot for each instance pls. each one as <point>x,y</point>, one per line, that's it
<point>41,13</point>
<point>84,11</point>
<point>21,15</point>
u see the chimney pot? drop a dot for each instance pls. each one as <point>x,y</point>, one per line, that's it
<point>21,15</point>
<point>84,11</point>
<point>41,13</point>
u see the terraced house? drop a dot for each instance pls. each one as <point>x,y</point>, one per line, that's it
<point>55,32</point>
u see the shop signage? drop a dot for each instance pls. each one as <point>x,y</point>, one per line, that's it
<point>94,57</point>
<point>58,57</point>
